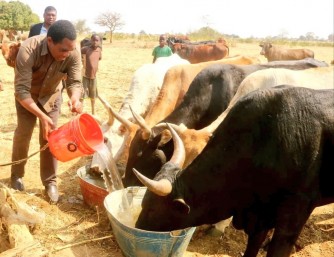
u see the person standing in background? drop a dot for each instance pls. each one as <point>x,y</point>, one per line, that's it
<point>162,50</point>
<point>50,16</point>
<point>41,63</point>
<point>91,55</point>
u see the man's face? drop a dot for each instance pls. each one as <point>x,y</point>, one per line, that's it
<point>62,50</point>
<point>50,17</point>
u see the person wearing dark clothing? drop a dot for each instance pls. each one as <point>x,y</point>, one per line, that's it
<point>41,63</point>
<point>50,16</point>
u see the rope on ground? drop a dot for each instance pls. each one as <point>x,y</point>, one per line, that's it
<point>80,243</point>
<point>25,159</point>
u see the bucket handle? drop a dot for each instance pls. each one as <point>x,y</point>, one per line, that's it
<point>72,147</point>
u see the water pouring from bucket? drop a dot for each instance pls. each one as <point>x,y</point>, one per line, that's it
<point>83,136</point>
<point>114,182</point>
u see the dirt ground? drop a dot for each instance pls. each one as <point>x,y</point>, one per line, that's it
<point>71,221</point>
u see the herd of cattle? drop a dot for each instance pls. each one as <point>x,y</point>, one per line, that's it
<point>224,138</point>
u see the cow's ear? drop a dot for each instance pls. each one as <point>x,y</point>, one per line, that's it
<point>181,206</point>
<point>166,136</point>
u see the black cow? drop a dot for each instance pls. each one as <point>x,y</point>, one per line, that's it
<point>177,39</point>
<point>87,42</point>
<point>207,97</point>
<point>268,164</point>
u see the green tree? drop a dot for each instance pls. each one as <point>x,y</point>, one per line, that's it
<point>112,20</point>
<point>310,36</point>
<point>80,26</point>
<point>15,15</point>
<point>205,33</point>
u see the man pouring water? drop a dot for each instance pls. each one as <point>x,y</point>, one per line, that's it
<point>42,62</point>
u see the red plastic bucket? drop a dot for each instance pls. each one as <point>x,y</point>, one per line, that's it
<point>79,137</point>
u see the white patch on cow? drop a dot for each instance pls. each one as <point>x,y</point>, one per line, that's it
<point>145,86</point>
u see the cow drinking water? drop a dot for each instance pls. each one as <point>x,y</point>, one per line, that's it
<point>269,164</point>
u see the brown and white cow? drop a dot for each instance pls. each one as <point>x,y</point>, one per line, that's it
<point>196,53</point>
<point>177,81</point>
<point>175,84</point>
<point>277,53</point>
<point>9,51</point>
<point>207,97</point>
<point>145,86</point>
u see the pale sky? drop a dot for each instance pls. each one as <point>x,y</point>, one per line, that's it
<point>259,18</point>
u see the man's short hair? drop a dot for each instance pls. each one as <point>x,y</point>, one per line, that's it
<point>50,9</point>
<point>62,29</point>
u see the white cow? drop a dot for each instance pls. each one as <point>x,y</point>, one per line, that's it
<point>145,86</point>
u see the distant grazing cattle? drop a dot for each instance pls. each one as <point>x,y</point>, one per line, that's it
<point>145,86</point>
<point>276,53</point>
<point>22,36</point>
<point>209,94</point>
<point>202,52</point>
<point>85,42</point>
<point>171,39</point>
<point>268,165</point>
<point>3,36</point>
<point>9,51</point>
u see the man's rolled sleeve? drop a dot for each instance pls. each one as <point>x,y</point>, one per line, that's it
<point>73,81</point>
<point>23,74</point>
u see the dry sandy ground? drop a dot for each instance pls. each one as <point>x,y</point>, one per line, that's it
<point>71,221</point>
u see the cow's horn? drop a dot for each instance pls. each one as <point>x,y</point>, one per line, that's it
<point>108,107</point>
<point>162,187</point>
<point>141,122</point>
<point>113,114</point>
<point>179,154</point>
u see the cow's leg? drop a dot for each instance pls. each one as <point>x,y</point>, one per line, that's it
<point>291,217</point>
<point>254,243</point>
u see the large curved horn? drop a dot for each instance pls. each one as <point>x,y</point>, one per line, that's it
<point>158,128</point>
<point>179,154</point>
<point>112,114</point>
<point>162,187</point>
<point>108,107</point>
<point>141,122</point>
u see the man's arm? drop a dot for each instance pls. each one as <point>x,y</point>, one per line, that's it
<point>73,83</point>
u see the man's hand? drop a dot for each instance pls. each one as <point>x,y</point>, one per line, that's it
<point>75,105</point>
<point>47,126</point>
